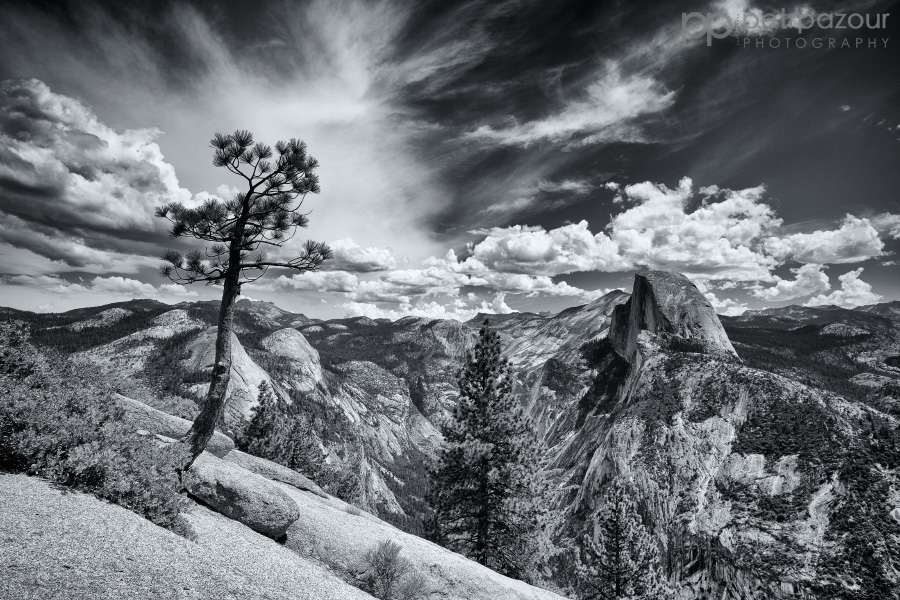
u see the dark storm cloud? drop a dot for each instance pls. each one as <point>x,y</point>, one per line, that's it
<point>71,189</point>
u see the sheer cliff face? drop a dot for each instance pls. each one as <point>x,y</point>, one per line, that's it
<point>745,476</point>
<point>668,305</point>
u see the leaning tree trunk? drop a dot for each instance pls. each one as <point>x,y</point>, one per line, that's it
<point>205,423</point>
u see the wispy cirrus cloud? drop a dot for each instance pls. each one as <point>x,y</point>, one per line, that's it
<point>606,110</point>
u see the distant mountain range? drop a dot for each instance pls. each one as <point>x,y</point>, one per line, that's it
<point>763,448</point>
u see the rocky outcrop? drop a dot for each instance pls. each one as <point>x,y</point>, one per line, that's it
<point>63,544</point>
<point>531,340</point>
<point>143,417</point>
<point>241,495</point>
<point>274,471</point>
<point>742,471</point>
<point>306,368</point>
<point>669,306</point>
<point>246,375</point>
<point>104,319</point>
<point>339,535</point>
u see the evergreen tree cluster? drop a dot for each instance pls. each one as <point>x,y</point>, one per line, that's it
<point>483,488</point>
<point>619,559</point>
<point>282,433</point>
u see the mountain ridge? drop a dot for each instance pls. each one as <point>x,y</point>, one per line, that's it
<point>651,386</point>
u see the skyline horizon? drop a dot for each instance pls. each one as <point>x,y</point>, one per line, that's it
<point>474,157</point>
<point>548,313</point>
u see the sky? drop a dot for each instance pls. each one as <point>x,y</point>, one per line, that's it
<point>490,156</point>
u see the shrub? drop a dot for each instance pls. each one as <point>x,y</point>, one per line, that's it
<point>59,421</point>
<point>388,576</point>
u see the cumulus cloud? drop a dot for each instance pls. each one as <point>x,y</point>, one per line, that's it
<point>535,250</point>
<point>723,306</point>
<point>887,224</point>
<point>350,256</point>
<point>719,240</point>
<point>723,239</point>
<point>458,309</point>
<point>319,281</point>
<point>855,240</point>
<point>808,279</point>
<point>854,292</point>
<point>439,279</point>
<point>122,285</point>
<point>71,188</point>
<point>176,289</point>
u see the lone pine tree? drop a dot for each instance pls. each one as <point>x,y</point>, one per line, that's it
<point>619,559</point>
<point>264,215</point>
<point>483,478</point>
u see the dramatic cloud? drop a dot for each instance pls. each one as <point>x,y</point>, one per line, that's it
<point>718,240</point>
<point>71,188</point>
<point>809,279</point>
<point>534,250</point>
<point>854,292</point>
<point>489,128</point>
<point>350,256</point>
<point>542,195</point>
<point>608,110</point>
<point>855,241</point>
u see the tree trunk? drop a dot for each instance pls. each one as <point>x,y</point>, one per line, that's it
<point>481,535</point>
<point>205,423</point>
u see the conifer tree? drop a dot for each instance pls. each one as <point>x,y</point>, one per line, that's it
<point>619,558</point>
<point>483,481</point>
<point>281,433</point>
<point>238,232</point>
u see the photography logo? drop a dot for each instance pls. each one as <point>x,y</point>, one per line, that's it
<point>753,27</point>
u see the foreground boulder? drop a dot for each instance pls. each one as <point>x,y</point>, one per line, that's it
<point>241,495</point>
<point>274,471</point>
<point>141,416</point>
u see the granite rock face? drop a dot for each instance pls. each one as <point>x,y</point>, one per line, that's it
<point>241,495</point>
<point>745,474</point>
<point>668,305</point>
<point>246,375</point>
<point>274,471</point>
<point>147,418</point>
<point>306,366</point>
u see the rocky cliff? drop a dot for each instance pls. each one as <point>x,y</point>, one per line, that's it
<point>763,448</point>
<point>670,308</point>
<point>749,479</point>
